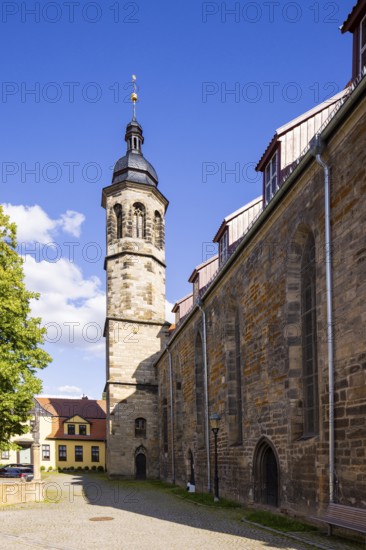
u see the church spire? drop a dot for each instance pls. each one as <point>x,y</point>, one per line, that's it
<point>134,137</point>
<point>134,96</point>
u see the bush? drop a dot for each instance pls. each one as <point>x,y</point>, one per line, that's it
<point>71,468</point>
<point>50,468</point>
<point>94,468</point>
<point>100,469</point>
<point>79,467</point>
<point>86,468</point>
<point>43,468</point>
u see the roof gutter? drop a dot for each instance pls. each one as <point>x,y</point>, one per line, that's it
<point>316,149</point>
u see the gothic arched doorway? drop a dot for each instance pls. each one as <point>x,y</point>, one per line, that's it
<point>140,463</point>
<point>266,474</point>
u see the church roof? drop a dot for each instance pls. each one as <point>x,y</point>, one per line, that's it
<point>133,166</point>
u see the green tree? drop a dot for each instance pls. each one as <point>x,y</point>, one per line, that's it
<point>20,338</point>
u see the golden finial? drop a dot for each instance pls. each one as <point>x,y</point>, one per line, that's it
<point>134,96</point>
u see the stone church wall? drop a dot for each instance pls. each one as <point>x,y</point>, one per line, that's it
<point>261,291</point>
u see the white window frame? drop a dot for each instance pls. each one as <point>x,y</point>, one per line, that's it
<point>46,452</point>
<point>271,182</point>
<point>362,47</point>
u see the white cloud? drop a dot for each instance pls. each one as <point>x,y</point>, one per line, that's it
<point>34,224</point>
<point>71,307</point>
<point>69,389</point>
<point>71,222</point>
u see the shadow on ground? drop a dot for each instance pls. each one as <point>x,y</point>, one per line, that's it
<point>155,499</point>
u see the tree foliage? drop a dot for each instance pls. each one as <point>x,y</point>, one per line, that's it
<point>20,338</point>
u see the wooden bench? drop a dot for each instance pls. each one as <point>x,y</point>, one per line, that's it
<point>347,517</point>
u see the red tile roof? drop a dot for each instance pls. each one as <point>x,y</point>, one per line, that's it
<point>66,408</point>
<point>92,410</point>
<point>97,431</point>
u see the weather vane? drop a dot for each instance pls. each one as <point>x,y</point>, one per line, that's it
<point>134,96</point>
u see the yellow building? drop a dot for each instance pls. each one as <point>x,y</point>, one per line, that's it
<point>72,433</point>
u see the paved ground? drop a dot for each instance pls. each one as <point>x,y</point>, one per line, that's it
<point>86,512</point>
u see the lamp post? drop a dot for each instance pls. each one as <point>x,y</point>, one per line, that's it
<point>214,422</point>
<point>36,447</point>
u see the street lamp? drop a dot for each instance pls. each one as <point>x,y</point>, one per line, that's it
<point>214,422</point>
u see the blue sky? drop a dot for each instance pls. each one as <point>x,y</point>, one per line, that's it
<point>215,81</point>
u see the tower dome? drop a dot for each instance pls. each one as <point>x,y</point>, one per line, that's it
<point>133,166</point>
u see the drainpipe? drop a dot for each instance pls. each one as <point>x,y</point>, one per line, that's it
<point>171,411</point>
<point>205,384</point>
<point>317,148</point>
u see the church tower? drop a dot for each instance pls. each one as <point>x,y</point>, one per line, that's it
<point>135,326</point>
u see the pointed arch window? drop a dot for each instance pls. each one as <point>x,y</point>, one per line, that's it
<point>139,221</point>
<point>309,341</point>
<point>158,230</point>
<point>118,213</point>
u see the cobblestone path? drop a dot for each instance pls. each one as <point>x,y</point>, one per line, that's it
<point>87,512</point>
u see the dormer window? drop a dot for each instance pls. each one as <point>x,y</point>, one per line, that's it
<point>224,247</point>
<point>71,429</point>
<point>271,178</point>
<point>362,44</point>
<point>196,288</point>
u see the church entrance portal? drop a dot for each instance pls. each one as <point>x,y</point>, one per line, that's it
<point>140,466</point>
<point>266,475</point>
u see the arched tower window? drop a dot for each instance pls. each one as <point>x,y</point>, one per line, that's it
<point>118,213</point>
<point>199,375</point>
<point>309,344</point>
<point>139,221</point>
<point>140,427</point>
<point>158,230</point>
